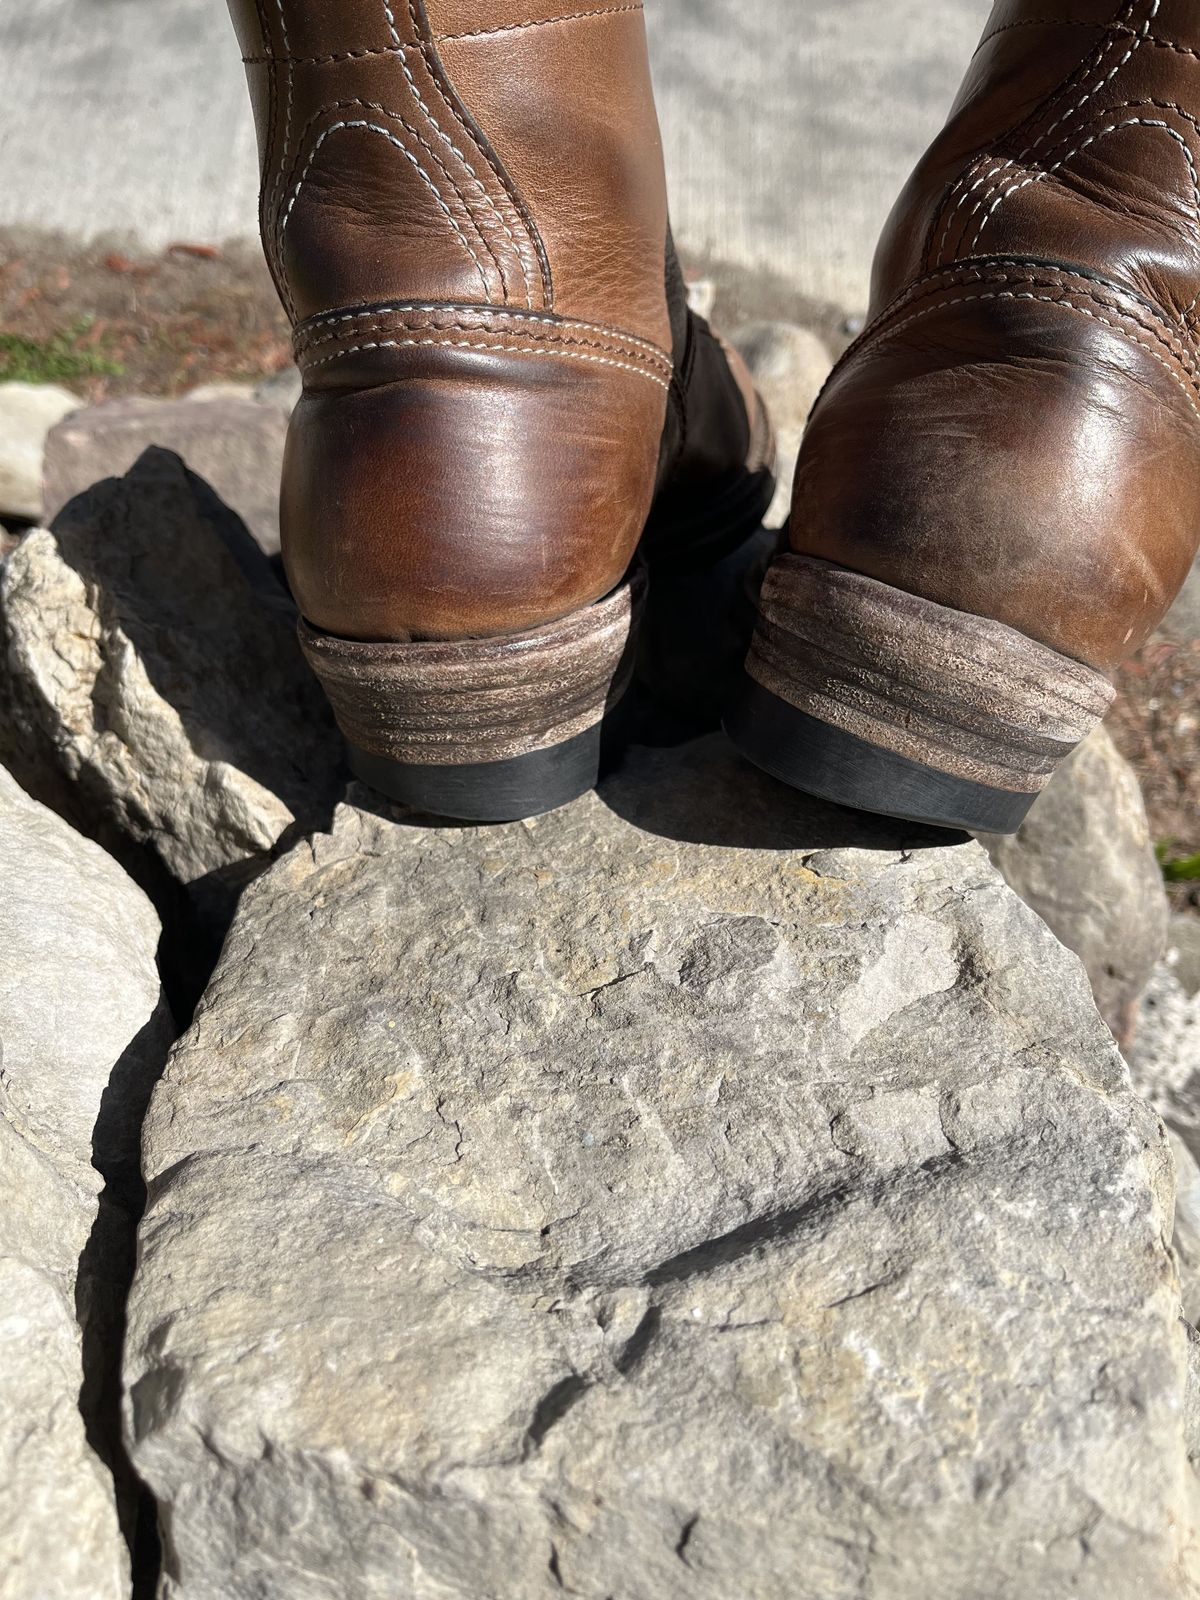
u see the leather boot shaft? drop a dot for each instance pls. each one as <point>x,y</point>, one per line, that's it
<point>1017,432</point>
<point>464,208</point>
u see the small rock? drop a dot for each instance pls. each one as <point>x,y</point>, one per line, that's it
<point>695,1193</point>
<point>28,412</point>
<point>152,664</point>
<point>205,392</point>
<point>702,296</point>
<point>1165,1056</point>
<point>790,365</point>
<point>231,440</point>
<point>280,389</point>
<point>83,1033</point>
<point>1085,862</point>
<point>1182,623</point>
<point>1183,953</point>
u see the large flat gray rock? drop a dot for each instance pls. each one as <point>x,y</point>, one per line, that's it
<point>693,1193</point>
<point>82,1034</point>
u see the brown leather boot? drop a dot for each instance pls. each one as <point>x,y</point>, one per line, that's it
<point>999,491</point>
<point>464,209</point>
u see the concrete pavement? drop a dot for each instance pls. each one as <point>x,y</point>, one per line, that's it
<point>789,124</point>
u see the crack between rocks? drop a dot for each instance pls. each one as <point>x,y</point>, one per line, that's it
<point>103,1282</point>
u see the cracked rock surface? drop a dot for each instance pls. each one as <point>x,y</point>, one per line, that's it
<point>155,688</point>
<point>1084,860</point>
<point>82,1033</point>
<point>694,1193</point>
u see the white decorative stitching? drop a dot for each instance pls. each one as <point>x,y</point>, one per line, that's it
<point>373,127</point>
<point>281,179</point>
<point>996,272</point>
<point>1053,300</point>
<point>496,349</point>
<point>994,166</point>
<point>540,22</point>
<point>1139,39</point>
<point>395,116</point>
<point>1028,153</point>
<point>497,333</point>
<point>563,323</point>
<point>1115,127</point>
<point>449,143</point>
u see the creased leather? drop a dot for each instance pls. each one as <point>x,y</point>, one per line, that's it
<point>1017,431</point>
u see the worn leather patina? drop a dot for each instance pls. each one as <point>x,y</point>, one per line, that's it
<point>1016,433</point>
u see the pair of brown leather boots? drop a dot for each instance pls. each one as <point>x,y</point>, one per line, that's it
<point>515,442</point>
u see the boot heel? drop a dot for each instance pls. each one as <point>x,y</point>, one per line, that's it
<point>877,699</point>
<point>484,730</point>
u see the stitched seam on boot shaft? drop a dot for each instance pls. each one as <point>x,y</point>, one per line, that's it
<point>561,336</point>
<point>277,214</point>
<point>1114,31</point>
<point>548,350</point>
<point>391,325</point>
<point>436,68</point>
<point>278,189</point>
<point>374,127</point>
<point>1069,115</point>
<point>969,247</point>
<point>541,22</point>
<point>1041,277</point>
<point>468,138</point>
<point>303,339</point>
<point>396,116</point>
<point>1191,390</point>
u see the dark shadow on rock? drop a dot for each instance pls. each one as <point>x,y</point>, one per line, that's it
<point>177,572</point>
<point>701,791</point>
<point>163,548</point>
<point>704,792</point>
<point>106,1264</point>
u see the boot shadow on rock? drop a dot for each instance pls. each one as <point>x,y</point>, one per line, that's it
<point>157,697</point>
<point>738,805</point>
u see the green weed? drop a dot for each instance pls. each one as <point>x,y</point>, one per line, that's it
<point>54,360</point>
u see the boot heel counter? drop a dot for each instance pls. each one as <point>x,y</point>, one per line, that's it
<point>445,479</point>
<point>977,447</point>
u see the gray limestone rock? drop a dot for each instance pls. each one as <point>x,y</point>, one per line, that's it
<point>83,1032</point>
<point>152,672</point>
<point>28,411</point>
<point>694,1193</point>
<point>1165,1056</point>
<point>227,435</point>
<point>1182,622</point>
<point>1084,860</point>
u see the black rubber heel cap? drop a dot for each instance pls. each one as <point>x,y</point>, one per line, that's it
<point>491,791</point>
<point>823,760</point>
